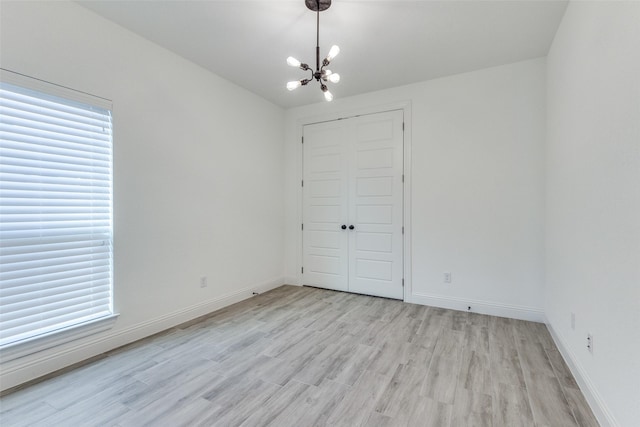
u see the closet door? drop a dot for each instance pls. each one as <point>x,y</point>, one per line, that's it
<point>352,205</point>
<point>376,205</point>
<point>325,188</point>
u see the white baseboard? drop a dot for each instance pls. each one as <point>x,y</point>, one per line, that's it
<point>478,306</point>
<point>595,401</point>
<point>291,280</point>
<point>28,368</point>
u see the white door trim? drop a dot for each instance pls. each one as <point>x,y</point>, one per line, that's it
<point>406,108</point>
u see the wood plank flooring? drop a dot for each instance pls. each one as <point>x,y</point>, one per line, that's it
<point>309,357</point>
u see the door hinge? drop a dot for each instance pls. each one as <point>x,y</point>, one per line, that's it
<point>402,177</point>
<point>303,226</point>
<point>302,182</point>
<point>402,230</point>
<point>303,139</point>
<point>402,125</point>
<point>403,283</point>
<point>302,270</point>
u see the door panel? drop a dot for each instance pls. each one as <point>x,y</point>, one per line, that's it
<point>375,186</point>
<point>325,250</point>
<point>375,205</point>
<point>353,176</point>
<point>375,158</point>
<point>374,215</point>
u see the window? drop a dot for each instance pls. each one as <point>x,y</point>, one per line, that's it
<point>55,212</point>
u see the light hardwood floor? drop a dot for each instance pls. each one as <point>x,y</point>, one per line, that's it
<point>309,357</point>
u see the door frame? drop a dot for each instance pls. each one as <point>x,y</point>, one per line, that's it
<point>405,107</point>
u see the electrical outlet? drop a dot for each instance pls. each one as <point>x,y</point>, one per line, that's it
<point>203,282</point>
<point>447,277</point>
<point>590,343</point>
<point>573,321</point>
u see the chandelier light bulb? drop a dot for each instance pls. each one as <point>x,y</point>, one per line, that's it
<point>328,96</point>
<point>333,52</point>
<point>294,85</point>
<point>333,78</point>
<point>293,61</point>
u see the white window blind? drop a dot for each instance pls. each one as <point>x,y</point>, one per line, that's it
<point>55,211</point>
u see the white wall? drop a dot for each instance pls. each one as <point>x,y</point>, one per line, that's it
<point>197,173</point>
<point>593,202</point>
<point>477,186</point>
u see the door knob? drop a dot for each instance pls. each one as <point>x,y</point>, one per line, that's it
<point>344,227</point>
<point>351,227</point>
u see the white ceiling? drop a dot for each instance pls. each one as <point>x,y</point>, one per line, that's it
<point>383,43</point>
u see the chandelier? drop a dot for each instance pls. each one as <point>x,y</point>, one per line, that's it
<point>321,74</point>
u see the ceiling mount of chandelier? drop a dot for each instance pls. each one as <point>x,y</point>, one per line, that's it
<point>321,74</point>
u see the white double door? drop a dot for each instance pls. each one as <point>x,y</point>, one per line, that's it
<point>353,204</point>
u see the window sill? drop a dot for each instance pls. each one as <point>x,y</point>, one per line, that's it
<point>43,342</point>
